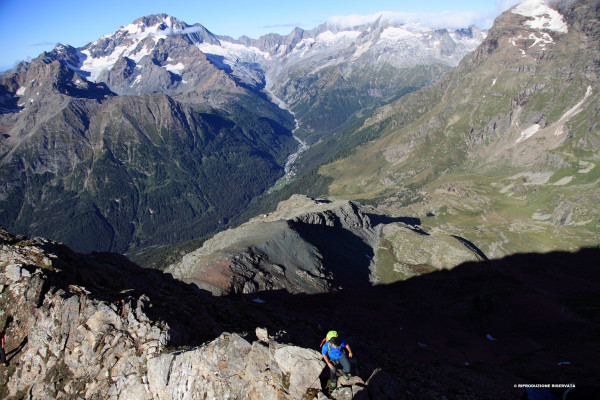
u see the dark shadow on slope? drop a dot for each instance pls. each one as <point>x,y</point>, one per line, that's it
<point>414,224</point>
<point>344,253</point>
<point>471,246</point>
<point>378,219</point>
<point>527,318</point>
<point>10,354</point>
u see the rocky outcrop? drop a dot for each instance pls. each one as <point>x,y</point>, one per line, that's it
<point>316,246</point>
<point>65,341</point>
<point>232,368</point>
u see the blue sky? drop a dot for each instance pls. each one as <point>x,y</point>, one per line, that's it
<point>33,26</point>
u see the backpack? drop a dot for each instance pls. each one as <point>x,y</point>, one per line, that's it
<point>330,334</point>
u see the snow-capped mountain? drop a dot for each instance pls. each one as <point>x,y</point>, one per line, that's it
<point>161,53</point>
<point>378,43</point>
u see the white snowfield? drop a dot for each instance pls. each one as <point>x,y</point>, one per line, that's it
<point>396,33</point>
<point>541,16</point>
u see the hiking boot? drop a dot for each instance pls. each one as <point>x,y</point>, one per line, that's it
<point>347,377</point>
<point>332,384</point>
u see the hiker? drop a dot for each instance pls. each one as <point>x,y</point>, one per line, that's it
<point>334,356</point>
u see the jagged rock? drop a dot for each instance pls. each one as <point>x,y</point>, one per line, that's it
<point>13,272</point>
<point>303,366</point>
<point>230,367</point>
<point>262,334</point>
<point>344,393</point>
<point>352,381</point>
<point>316,246</point>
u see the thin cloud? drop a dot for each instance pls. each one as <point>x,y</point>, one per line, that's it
<point>279,26</point>
<point>43,44</point>
<point>503,5</point>
<point>446,19</point>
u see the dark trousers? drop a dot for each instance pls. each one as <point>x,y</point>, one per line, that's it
<point>2,355</point>
<point>345,364</point>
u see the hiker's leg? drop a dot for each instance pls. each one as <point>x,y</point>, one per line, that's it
<point>335,364</point>
<point>2,356</point>
<point>345,364</point>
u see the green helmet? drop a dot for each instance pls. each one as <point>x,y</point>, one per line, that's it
<point>331,334</point>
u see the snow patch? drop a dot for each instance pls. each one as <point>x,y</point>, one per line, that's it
<point>586,167</point>
<point>305,42</point>
<point>533,178</point>
<point>21,91</point>
<point>175,68</point>
<point>360,50</point>
<point>396,33</point>
<point>330,37</point>
<point>234,51</point>
<point>576,109</point>
<point>541,16</point>
<point>140,31</point>
<point>137,80</point>
<point>563,181</point>
<point>542,41</point>
<point>529,132</point>
<point>494,81</point>
<point>541,217</point>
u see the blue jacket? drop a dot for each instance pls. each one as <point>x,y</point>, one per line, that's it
<point>334,353</point>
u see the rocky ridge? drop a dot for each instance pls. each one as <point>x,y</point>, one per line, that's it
<point>96,326</point>
<point>315,246</point>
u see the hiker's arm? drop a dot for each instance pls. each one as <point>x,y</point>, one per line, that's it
<point>327,361</point>
<point>349,350</point>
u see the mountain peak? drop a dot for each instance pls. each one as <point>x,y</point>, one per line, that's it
<point>154,25</point>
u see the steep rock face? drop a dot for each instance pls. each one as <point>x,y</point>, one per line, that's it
<point>82,326</point>
<point>68,341</point>
<point>312,246</point>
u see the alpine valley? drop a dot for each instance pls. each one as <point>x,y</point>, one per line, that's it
<point>204,209</point>
<point>162,132</point>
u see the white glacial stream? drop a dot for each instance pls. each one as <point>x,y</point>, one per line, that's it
<point>302,147</point>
